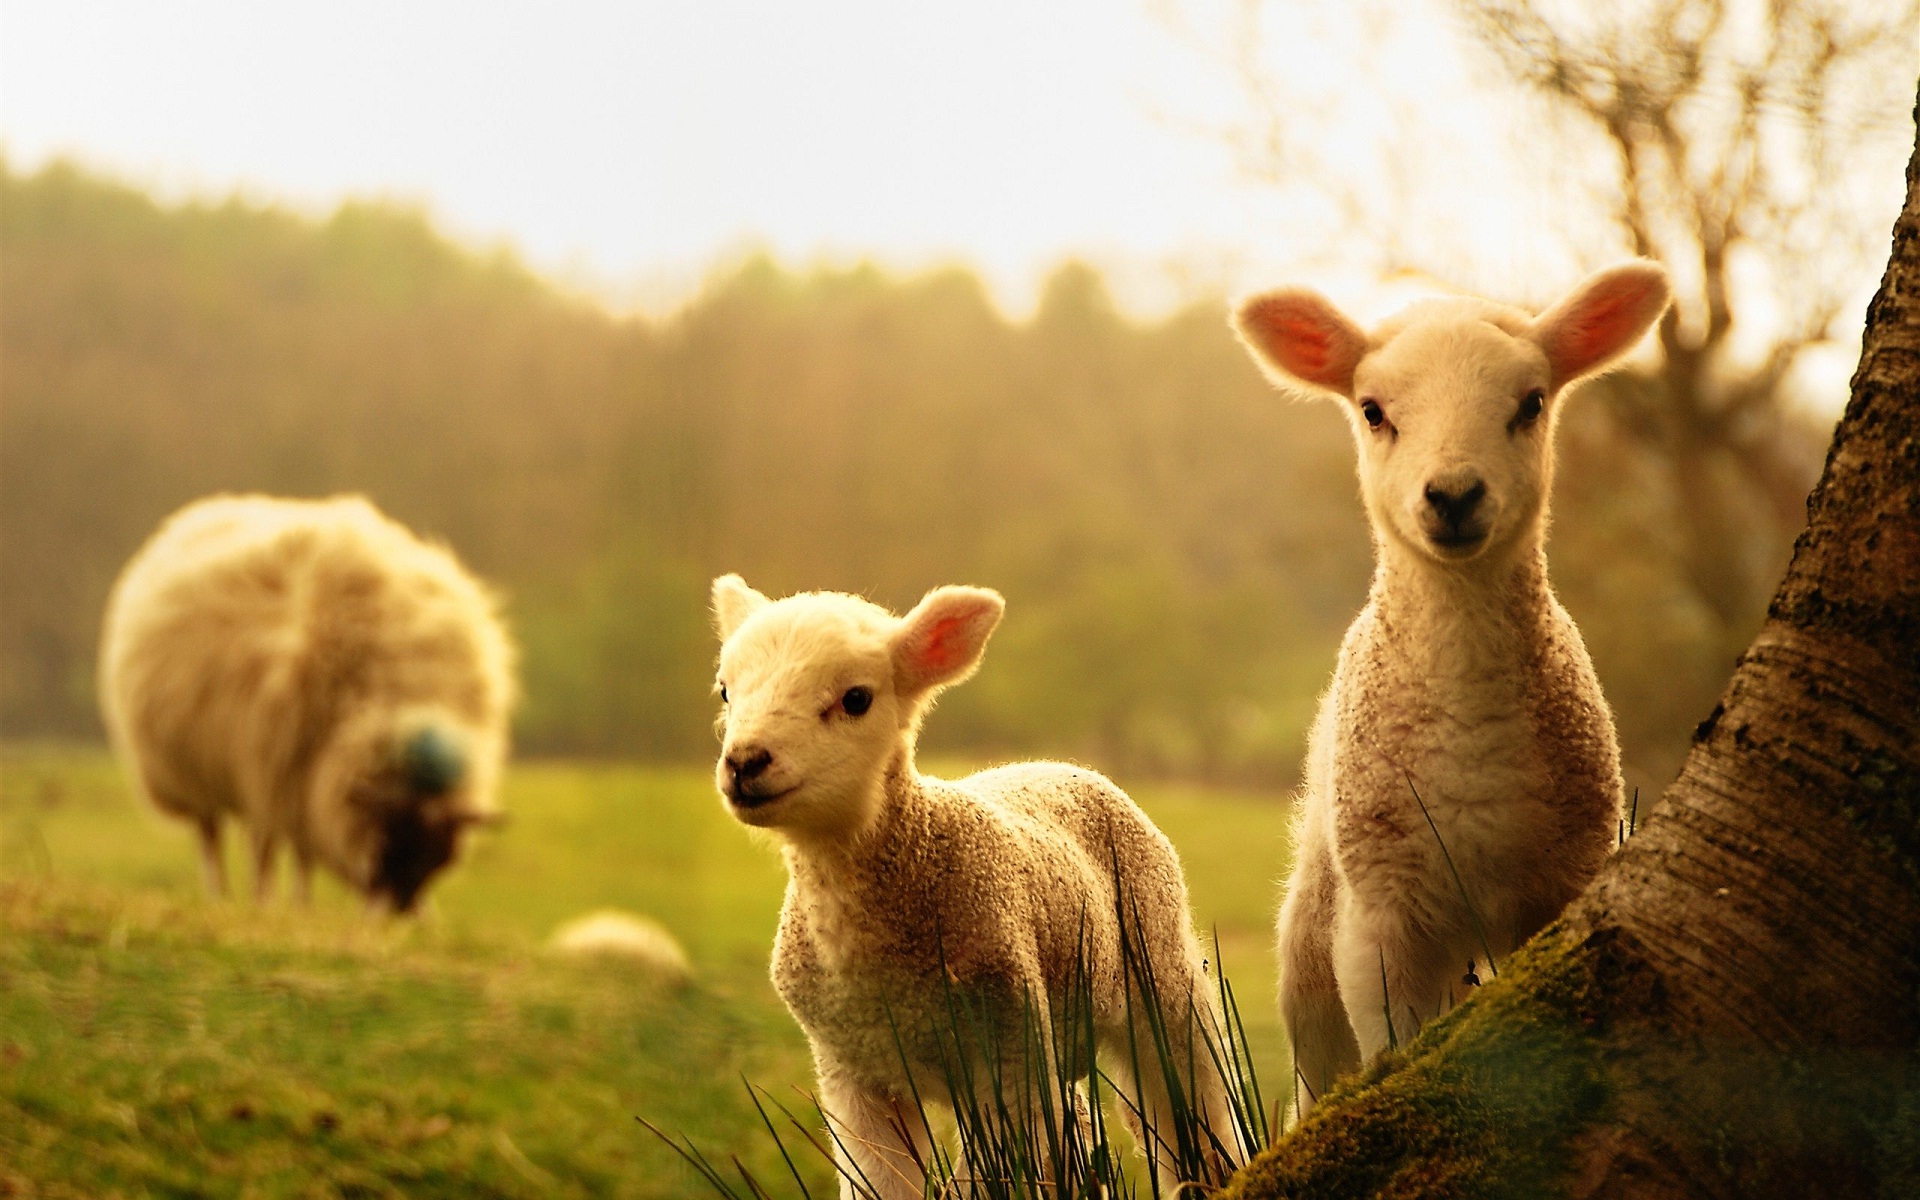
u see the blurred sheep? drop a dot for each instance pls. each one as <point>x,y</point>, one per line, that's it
<point>315,671</point>
<point>611,933</point>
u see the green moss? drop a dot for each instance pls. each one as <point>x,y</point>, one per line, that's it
<point>1897,1142</point>
<point>1483,1104</point>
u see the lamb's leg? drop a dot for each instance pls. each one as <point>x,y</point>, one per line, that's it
<point>213,865</point>
<point>265,850</point>
<point>1026,1131</point>
<point>882,1140</point>
<point>1210,1142</point>
<point>1311,1010</point>
<point>1386,966</point>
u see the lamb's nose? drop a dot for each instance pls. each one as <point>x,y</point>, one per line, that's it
<point>1455,501</point>
<point>748,763</point>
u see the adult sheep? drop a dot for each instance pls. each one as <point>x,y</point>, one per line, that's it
<point>1463,779</point>
<point>314,670</point>
<point>1000,897</point>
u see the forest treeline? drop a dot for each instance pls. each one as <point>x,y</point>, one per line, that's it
<point>1180,546</point>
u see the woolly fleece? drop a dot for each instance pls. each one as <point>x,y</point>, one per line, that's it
<point>281,662</point>
<point>906,891</point>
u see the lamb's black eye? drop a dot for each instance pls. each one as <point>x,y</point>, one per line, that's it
<point>723,693</point>
<point>1530,407</point>
<point>857,701</point>
<point>1370,409</point>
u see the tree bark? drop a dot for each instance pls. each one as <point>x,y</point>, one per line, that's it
<point>1732,1009</point>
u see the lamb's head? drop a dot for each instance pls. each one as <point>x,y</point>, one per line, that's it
<point>1453,402</point>
<point>822,694</point>
<point>394,792</point>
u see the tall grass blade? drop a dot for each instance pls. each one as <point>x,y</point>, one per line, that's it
<point>693,1158</point>
<point>753,1185</point>
<point>778,1144</point>
<point>1473,914</point>
<point>1386,1002</point>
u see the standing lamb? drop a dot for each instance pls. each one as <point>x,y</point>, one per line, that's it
<point>906,892</point>
<point>1462,678</point>
<point>316,671</point>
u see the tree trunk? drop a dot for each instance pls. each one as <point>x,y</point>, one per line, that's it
<point>1732,1009</point>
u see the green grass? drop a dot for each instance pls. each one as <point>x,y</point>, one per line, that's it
<point>155,1043</point>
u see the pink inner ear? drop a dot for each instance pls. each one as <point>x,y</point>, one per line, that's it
<point>1300,336</point>
<point>1600,330</point>
<point>1308,348</point>
<point>1602,321</point>
<point>942,647</point>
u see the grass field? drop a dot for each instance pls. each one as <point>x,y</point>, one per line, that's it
<point>155,1043</point>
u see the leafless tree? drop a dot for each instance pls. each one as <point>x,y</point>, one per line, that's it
<point>1739,135</point>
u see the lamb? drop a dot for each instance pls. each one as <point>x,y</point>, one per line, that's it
<point>317,672</point>
<point>907,891</point>
<point>1462,685</point>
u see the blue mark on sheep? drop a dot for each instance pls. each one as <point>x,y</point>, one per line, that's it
<point>434,762</point>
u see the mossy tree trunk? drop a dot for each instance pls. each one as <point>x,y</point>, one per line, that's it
<point>1733,1008</point>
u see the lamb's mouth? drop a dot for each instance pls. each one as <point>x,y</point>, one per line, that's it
<point>1458,543</point>
<point>747,801</point>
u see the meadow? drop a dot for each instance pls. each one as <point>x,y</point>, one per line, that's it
<point>156,1043</point>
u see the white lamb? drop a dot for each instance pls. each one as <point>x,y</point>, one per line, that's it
<point>907,892</point>
<point>1462,678</point>
<point>317,672</point>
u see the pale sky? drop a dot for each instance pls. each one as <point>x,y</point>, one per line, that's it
<point>630,149</point>
<point>635,144</point>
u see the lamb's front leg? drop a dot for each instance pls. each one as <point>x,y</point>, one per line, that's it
<point>882,1140</point>
<point>1183,1080</point>
<point>1311,1009</point>
<point>1387,965</point>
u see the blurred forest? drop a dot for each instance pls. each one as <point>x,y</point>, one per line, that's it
<point>1180,546</point>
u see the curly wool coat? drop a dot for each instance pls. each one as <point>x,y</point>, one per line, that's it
<point>929,922</point>
<point>316,672</point>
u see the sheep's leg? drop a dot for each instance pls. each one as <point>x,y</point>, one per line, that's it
<point>1017,1071</point>
<point>302,878</point>
<point>1311,1010</point>
<point>265,851</point>
<point>1047,1146</point>
<point>882,1141</point>
<point>1393,979</point>
<point>213,865</point>
<point>1147,1097</point>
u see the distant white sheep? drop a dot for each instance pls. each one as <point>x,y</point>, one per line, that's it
<point>611,933</point>
<point>317,672</point>
<point>1462,678</point>
<point>905,890</point>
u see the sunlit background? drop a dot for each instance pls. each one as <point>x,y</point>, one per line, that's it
<point>613,298</point>
<point>878,296</point>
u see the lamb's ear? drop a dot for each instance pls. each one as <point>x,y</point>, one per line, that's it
<point>1299,335</point>
<point>1602,319</point>
<point>941,640</point>
<point>733,603</point>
